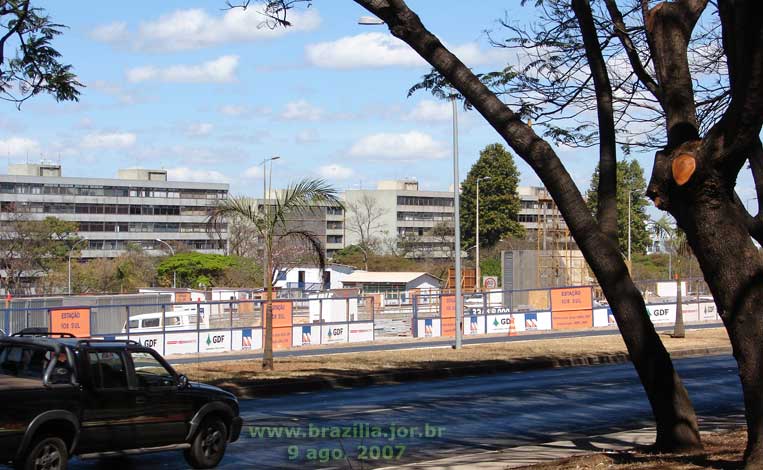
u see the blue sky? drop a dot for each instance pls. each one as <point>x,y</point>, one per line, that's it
<point>206,94</point>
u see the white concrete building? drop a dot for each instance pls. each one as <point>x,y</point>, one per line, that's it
<point>138,207</point>
<point>311,278</point>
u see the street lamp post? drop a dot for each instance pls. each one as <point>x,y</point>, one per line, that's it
<point>172,250</point>
<point>265,190</point>
<point>477,232</point>
<point>69,265</point>
<point>457,224</point>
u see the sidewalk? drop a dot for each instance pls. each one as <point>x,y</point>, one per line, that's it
<point>523,456</point>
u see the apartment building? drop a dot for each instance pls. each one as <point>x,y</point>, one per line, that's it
<point>542,220</point>
<point>139,207</point>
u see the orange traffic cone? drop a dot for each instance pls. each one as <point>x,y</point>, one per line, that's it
<point>512,327</point>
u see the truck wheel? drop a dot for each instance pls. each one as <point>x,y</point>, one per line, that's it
<point>208,446</point>
<point>47,453</point>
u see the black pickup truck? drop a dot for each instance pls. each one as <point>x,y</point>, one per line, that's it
<point>63,396</point>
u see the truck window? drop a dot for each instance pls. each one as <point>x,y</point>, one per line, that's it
<point>172,321</point>
<point>151,323</point>
<point>22,361</point>
<point>134,324</point>
<point>107,369</point>
<point>151,372</point>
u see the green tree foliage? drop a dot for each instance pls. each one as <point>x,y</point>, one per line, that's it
<point>499,202</point>
<point>34,67</point>
<point>194,268</point>
<point>354,256</point>
<point>630,183</point>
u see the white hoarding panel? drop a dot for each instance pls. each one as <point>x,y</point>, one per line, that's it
<point>360,332</point>
<point>690,312</point>
<point>537,321</point>
<point>708,312</point>
<point>215,341</point>
<point>662,313</point>
<point>306,335</point>
<point>474,324</point>
<point>600,317</point>
<point>428,328</point>
<point>180,343</point>
<point>247,339</point>
<point>334,334</point>
<point>501,323</point>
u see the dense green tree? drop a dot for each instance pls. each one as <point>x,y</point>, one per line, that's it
<point>193,268</point>
<point>499,202</point>
<point>630,183</point>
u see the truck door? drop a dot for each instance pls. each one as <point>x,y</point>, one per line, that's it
<point>165,412</point>
<point>107,411</point>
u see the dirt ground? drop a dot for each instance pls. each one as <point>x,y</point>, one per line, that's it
<point>367,362</point>
<point>723,450</point>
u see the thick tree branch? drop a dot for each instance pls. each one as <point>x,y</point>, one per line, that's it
<point>606,211</point>
<point>742,23</point>
<point>669,27</point>
<point>622,33</point>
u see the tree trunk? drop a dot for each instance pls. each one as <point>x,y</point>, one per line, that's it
<point>733,269</point>
<point>267,350</point>
<point>675,418</point>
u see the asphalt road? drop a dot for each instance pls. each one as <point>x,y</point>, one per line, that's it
<point>414,344</point>
<point>460,415</point>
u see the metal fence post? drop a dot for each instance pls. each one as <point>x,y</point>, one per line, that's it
<point>127,311</point>
<point>231,326</point>
<point>164,329</point>
<point>415,317</point>
<point>198,327</point>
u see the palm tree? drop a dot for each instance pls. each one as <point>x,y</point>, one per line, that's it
<point>664,229</point>
<point>269,221</point>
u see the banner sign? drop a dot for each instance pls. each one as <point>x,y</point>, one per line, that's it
<point>571,308</point>
<point>305,335</point>
<point>281,336</point>
<point>474,324</point>
<point>281,314</point>
<point>70,320</point>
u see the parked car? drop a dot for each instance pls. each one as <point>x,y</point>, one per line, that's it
<point>65,396</point>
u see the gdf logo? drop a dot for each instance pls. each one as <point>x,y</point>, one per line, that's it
<point>658,312</point>
<point>505,321</point>
<point>218,339</point>
<point>149,343</point>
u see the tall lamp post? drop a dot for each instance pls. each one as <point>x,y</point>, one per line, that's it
<point>477,232</point>
<point>172,250</point>
<point>373,21</point>
<point>69,265</point>
<point>457,224</point>
<point>265,189</point>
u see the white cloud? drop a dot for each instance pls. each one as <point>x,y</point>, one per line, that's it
<point>190,29</point>
<point>306,136</point>
<point>108,140</point>
<point>336,172</point>
<point>253,172</point>
<point>112,89</point>
<point>430,111</point>
<point>301,110</point>
<point>233,110</point>
<point>190,174</point>
<point>412,145</point>
<point>373,50</point>
<point>220,70</point>
<point>199,129</point>
<point>112,32</point>
<point>18,146</point>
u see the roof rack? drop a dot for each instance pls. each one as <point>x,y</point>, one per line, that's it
<point>40,333</point>
<point>89,341</point>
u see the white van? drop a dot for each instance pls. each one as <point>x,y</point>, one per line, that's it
<point>152,322</point>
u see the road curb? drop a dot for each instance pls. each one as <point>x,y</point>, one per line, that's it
<point>254,389</point>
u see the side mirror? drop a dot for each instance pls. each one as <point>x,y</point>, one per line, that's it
<point>182,381</point>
